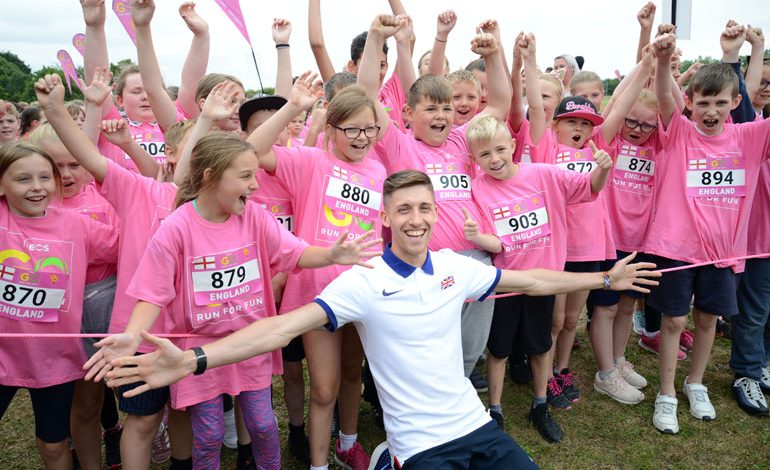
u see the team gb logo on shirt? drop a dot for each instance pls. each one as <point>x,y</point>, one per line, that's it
<point>448,281</point>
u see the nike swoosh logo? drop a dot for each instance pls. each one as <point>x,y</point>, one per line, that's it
<point>388,294</point>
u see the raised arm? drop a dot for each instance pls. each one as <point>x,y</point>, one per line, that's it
<point>397,8</point>
<point>492,27</point>
<point>163,108</point>
<point>537,124</point>
<point>754,73</point>
<point>117,132</point>
<point>95,44</point>
<point>664,47</point>
<point>404,47</point>
<point>95,96</point>
<point>600,174</point>
<point>445,22</point>
<point>516,114</point>
<point>317,44</point>
<point>645,17</point>
<point>281,33</point>
<point>731,40</point>
<point>197,60</point>
<point>625,101</point>
<point>499,91</point>
<point>50,93</point>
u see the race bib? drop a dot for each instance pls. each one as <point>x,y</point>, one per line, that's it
<point>578,161</point>
<point>97,216</point>
<point>281,210</point>
<point>450,181</point>
<point>634,170</point>
<point>28,295</point>
<point>351,202</point>
<point>521,220</point>
<point>717,175</point>
<point>152,142</point>
<point>225,276</point>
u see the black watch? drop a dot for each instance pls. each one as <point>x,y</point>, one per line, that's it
<point>200,361</point>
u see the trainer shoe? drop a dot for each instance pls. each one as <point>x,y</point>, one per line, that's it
<point>626,370</point>
<point>231,435</point>
<point>569,385</point>
<point>750,396</point>
<point>381,459</point>
<point>498,417</point>
<point>555,397</point>
<point>617,389</point>
<point>299,446</point>
<point>639,323</point>
<point>664,418</point>
<point>724,329</point>
<point>354,458</point>
<point>479,381</point>
<point>543,421</point>
<point>700,405</point>
<point>652,344</point>
<point>764,380</point>
<point>112,447</point>
<point>161,446</point>
<point>519,370</point>
<point>686,340</point>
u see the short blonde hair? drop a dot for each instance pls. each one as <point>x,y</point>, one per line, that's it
<point>42,134</point>
<point>553,80</point>
<point>585,76</point>
<point>463,75</point>
<point>482,129</point>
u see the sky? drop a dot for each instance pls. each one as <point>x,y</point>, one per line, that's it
<point>605,32</point>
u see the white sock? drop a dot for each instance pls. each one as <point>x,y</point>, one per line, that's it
<point>322,467</point>
<point>347,441</point>
<point>650,334</point>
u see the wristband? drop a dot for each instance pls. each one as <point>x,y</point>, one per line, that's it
<point>200,361</point>
<point>606,280</point>
<point>440,40</point>
<point>281,46</point>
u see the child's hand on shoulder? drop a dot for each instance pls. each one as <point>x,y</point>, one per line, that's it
<point>99,88</point>
<point>484,44</point>
<point>50,91</point>
<point>603,159</point>
<point>192,19</point>
<point>306,90</point>
<point>116,132</point>
<point>646,16</point>
<point>222,101</point>
<point>94,12</point>
<point>387,25</point>
<point>142,12</point>
<point>445,23</point>
<point>665,45</point>
<point>281,30</point>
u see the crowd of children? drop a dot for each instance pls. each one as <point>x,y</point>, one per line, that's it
<point>199,215</point>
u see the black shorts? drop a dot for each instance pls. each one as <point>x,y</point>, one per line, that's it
<point>146,404</point>
<point>606,298</point>
<point>51,406</point>
<point>521,323</point>
<point>714,289</point>
<point>294,351</point>
<point>582,266</point>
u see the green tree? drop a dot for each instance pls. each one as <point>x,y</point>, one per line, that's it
<point>13,58</point>
<point>13,80</point>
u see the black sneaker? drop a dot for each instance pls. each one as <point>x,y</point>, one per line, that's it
<point>498,417</point>
<point>569,385</point>
<point>299,446</point>
<point>519,370</point>
<point>724,329</point>
<point>112,447</point>
<point>555,397</point>
<point>479,381</point>
<point>543,421</point>
<point>336,422</point>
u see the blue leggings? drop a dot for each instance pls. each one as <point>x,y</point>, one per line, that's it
<point>208,426</point>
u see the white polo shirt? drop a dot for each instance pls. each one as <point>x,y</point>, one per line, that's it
<point>409,323</point>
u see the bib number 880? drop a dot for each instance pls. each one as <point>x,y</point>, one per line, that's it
<point>355,193</point>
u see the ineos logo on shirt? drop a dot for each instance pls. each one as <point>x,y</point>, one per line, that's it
<point>38,247</point>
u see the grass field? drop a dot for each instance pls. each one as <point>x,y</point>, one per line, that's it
<point>599,433</point>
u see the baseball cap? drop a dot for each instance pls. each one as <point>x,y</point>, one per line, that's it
<point>256,103</point>
<point>579,107</point>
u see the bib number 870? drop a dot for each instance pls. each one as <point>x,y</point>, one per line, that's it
<point>218,277</point>
<point>36,296</point>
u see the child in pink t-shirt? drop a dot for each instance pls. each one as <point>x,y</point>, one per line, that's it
<point>334,193</point>
<point>45,254</point>
<point>525,224</point>
<point>705,199</point>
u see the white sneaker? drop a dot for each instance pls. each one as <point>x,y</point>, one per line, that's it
<point>638,322</point>
<point>626,370</point>
<point>231,435</point>
<point>617,389</point>
<point>764,380</point>
<point>664,418</point>
<point>700,405</point>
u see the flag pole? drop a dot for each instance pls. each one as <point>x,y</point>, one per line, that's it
<point>253,56</point>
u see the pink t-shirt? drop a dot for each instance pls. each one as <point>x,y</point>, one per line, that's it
<point>392,98</point>
<point>92,204</point>
<point>142,204</point>
<point>148,135</point>
<point>43,265</point>
<point>629,192</point>
<point>528,213</point>
<point>329,197</point>
<point>704,200</point>
<point>450,170</point>
<point>759,222</point>
<point>274,198</point>
<point>214,279</point>
<point>523,151</point>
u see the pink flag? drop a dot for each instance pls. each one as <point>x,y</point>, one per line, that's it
<point>68,67</point>
<point>617,74</point>
<point>78,41</point>
<point>122,8</point>
<point>232,9</point>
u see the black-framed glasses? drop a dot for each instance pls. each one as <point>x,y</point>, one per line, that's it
<point>643,126</point>
<point>764,84</point>
<point>352,133</point>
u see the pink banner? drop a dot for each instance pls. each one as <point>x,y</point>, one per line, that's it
<point>122,8</point>
<point>79,41</point>
<point>68,67</point>
<point>232,9</point>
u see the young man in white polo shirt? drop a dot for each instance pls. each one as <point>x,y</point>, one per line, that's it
<point>406,310</point>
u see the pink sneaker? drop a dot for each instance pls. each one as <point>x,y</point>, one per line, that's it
<point>354,458</point>
<point>161,446</point>
<point>652,344</point>
<point>686,340</point>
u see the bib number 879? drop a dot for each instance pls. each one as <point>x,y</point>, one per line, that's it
<point>218,277</point>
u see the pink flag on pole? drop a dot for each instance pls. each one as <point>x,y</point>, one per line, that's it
<point>122,8</point>
<point>68,67</point>
<point>78,41</point>
<point>232,9</point>
<point>617,74</point>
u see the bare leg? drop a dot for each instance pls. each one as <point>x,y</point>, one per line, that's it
<point>56,455</point>
<point>621,329</point>
<point>601,336</point>
<point>180,434</point>
<point>670,329</point>
<point>136,441</point>
<point>495,378</point>
<point>350,385</point>
<point>294,392</point>
<point>323,360</point>
<point>573,306</point>
<point>705,326</point>
<point>85,425</point>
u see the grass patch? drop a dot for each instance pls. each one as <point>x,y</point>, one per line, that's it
<point>599,432</point>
